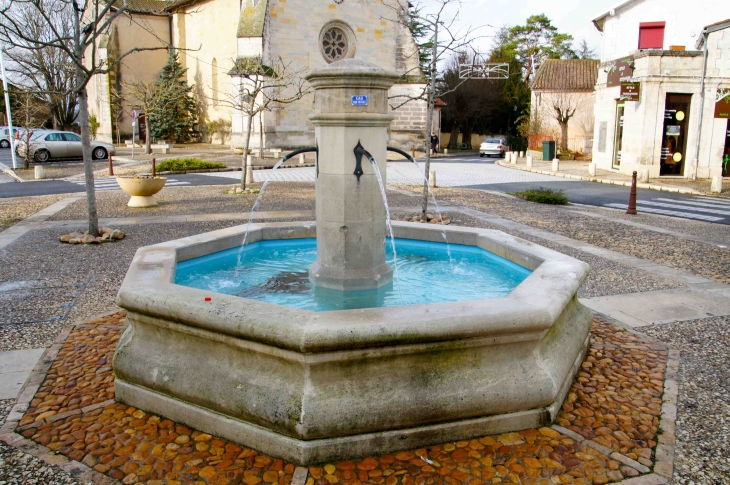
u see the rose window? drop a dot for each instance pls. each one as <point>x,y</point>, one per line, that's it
<point>334,44</point>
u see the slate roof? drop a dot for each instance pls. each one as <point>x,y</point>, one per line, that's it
<point>566,75</point>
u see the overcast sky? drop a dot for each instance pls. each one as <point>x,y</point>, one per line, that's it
<point>570,16</point>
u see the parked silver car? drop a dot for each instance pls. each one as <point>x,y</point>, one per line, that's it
<point>493,146</point>
<point>49,145</point>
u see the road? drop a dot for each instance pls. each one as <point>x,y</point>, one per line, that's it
<point>466,171</point>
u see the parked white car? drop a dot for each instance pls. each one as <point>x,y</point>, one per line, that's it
<point>5,135</point>
<point>493,146</point>
<point>54,145</point>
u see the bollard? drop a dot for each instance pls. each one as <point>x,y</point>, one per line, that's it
<point>556,164</point>
<point>522,154</point>
<point>528,163</point>
<point>413,152</point>
<point>716,187</point>
<point>632,196</point>
<point>592,169</point>
<point>249,174</point>
<point>644,175</point>
<point>446,151</point>
<point>39,172</point>
<point>111,167</point>
<point>154,167</point>
<point>432,178</point>
<point>301,159</point>
<point>513,158</point>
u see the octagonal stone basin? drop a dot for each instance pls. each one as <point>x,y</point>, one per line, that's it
<point>313,387</point>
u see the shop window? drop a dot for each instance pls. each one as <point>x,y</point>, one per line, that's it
<point>651,35</point>
<point>674,135</point>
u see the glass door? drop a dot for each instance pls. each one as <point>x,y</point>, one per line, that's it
<point>726,153</point>
<point>674,134</point>
<point>618,135</point>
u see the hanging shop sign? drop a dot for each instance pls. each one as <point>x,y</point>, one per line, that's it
<point>620,70</point>
<point>630,91</point>
<point>722,103</point>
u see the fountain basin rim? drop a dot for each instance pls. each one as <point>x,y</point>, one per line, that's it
<point>526,313</point>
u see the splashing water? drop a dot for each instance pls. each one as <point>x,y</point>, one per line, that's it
<point>390,227</point>
<point>438,209</point>
<point>253,210</point>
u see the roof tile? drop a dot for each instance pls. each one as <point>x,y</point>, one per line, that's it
<point>566,75</point>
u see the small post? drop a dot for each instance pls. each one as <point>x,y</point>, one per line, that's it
<point>111,166</point>
<point>528,162</point>
<point>446,151</point>
<point>154,167</point>
<point>301,159</point>
<point>432,178</point>
<point>632,196</point>
<point>249,174</point>
<point>413,152</point>
<point>716,185</point>
<point>556,164</point>
<point>592,169</point>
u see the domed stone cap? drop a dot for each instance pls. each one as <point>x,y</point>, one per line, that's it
<point>349,72</point>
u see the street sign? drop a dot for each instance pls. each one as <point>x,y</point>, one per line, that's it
<point>619,71</point>
<point>359,100</point>
<point>630,91</point>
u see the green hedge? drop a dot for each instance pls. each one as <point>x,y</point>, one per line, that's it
<point>180,164</point>
<point>544,196</point>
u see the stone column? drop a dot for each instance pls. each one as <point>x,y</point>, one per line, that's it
<point>351,225</point>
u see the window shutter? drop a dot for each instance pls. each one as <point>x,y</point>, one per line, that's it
<point>651,35</point>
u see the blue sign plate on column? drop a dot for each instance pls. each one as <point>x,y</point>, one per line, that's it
<point>359,100</point>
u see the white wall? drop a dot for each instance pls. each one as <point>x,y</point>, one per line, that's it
<point>685,20</point>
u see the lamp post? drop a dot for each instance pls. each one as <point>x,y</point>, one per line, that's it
<point>7,107</point>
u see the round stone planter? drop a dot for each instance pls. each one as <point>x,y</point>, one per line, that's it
<point>142,189</point>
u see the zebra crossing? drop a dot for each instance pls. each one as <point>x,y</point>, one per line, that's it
<point>110,183</point>
<point>698,208</point>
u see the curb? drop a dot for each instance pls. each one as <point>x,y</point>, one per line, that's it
<point>11,173</point>
<point>661,188</point>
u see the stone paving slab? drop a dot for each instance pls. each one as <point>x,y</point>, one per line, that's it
<point>657,307</point>
<point>69,419</point>
<point>15,368</point>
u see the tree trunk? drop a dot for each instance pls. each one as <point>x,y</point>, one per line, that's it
<point>466,137</point>
<point>88,167</point>
<point>429,122</point>
<point>246,141</point>
<point>564,135</point>
<point>454,139</point>
<point>83,102</point>
<point>147,135</point>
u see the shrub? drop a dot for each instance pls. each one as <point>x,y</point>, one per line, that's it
<point>180,164</point>
<point>544,196</point>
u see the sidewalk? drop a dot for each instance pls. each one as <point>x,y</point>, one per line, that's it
<point>578,170</point>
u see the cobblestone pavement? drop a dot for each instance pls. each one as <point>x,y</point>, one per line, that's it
<point>619,376</point>
<point>15,210</point>
<point>703,407</point>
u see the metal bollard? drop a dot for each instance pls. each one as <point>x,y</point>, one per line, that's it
<point>154,167</point>
<point>556,164</point>
<point>111,167</point>
<point>632,196</point>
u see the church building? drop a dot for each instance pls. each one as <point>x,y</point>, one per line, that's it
<point>216,39</point>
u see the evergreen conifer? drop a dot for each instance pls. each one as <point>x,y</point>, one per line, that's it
<point>173,116</point>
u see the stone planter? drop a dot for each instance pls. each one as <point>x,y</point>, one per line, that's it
<point>142,189</point>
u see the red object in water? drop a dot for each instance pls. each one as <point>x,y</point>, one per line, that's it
<point>207,298</point>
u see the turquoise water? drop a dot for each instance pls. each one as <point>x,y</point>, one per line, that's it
<point>276,272</point>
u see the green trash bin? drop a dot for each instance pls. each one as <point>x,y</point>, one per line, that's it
<point>548,150</point>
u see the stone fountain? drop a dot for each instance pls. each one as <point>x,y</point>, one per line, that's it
<point>312,387</point>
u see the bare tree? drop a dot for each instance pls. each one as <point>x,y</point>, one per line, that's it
<point>30,112</point>
<point>564,107</point>
<point>91,21</point>
<point>144,95</point>
<point>445,40</point>
<point>261,88</point>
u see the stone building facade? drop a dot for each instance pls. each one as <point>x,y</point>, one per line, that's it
<point>651,113</point>
<point>216,37</point>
